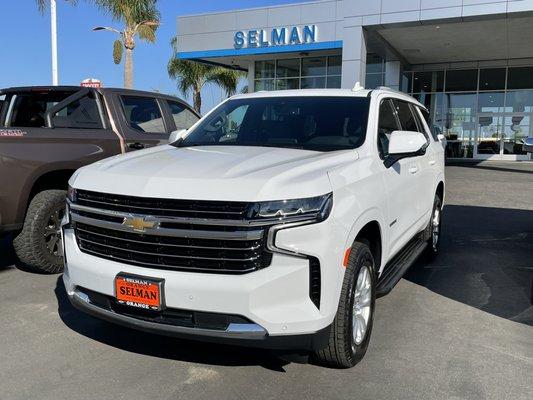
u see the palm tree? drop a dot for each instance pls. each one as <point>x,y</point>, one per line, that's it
<point>193,75</point>
<point>140,17</point>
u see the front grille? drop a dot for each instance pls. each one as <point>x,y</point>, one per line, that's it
<point>186,238</point>
<point>163,207</point>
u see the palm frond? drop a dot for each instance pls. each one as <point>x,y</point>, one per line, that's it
<point>147,33</point>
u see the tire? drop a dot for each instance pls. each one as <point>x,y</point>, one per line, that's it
<point>344,350</point>
<point>433,231</point>
<point>38,246</point>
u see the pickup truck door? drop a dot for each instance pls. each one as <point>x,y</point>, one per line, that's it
<point>401,180</point>
<point>141,119</point>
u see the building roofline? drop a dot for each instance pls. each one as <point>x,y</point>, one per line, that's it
<point>256,8</point>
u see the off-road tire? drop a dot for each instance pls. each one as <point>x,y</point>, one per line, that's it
<point>341,351</point>
<point>432,250</point>
<point>30,245</point>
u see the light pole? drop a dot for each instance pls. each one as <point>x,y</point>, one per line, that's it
<point>53,29</point>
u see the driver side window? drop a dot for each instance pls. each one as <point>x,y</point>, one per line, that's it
<point>387,123</point>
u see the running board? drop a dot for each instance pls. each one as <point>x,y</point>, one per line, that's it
<point>398,266</point>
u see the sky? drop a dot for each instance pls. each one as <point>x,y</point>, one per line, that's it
<point>25,45</point>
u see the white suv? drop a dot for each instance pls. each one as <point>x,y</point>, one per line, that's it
<point>275,221</point>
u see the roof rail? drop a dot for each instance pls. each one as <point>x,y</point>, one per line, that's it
<point>388,89</point>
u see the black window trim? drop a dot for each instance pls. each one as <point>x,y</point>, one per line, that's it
<point>398,124</point>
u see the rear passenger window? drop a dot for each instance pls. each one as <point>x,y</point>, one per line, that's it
<point>143,114</point>
<point>386,125</point>
<point>183,117</point>
<point>407,119</point>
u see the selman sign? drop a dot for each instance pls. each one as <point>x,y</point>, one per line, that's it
<point>275,37</point>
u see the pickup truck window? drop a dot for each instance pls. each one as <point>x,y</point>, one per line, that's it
<point>81,114</point>
<point>29,108</point>
<point>183,117</point>
<point>388,122</point>
<point>302,122</point>
<point>143,114</point>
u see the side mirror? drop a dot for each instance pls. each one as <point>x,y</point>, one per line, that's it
<point>528,145</point>
<point>406,143</point>
<point>403,144</point>
<point>177,135</point>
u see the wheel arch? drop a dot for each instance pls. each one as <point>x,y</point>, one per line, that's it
<point>370,227</point>
<point>46,180</point>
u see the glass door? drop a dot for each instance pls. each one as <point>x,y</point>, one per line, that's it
<point>488,141</point>
<point>499,136</point>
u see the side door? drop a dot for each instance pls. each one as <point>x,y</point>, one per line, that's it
<point>433,161</point>
<point>400,181</point>
<point>418,165</point>
<point>141,119</point>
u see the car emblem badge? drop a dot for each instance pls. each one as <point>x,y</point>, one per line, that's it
<point>140,224</point>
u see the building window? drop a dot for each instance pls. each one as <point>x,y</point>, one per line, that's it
<point>483,111</point>
<point>375,71</point>
<point>298,73</point>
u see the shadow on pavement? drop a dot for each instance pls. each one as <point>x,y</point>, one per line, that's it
<point>486,261</point>
<point>7,254</point>
<point>161,346</point>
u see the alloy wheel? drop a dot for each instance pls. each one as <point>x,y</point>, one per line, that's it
<point>361,305</point>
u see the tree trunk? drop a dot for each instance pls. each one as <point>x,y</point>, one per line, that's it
<point>128,69</point>
<point>197,100</point>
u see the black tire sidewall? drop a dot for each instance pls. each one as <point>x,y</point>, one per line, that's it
<point>30,244</point>
<point>361,257</point>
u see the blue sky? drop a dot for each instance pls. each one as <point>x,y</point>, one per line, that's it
<point>25,49</point>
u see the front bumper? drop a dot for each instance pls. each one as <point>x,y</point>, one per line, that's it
<point>274,299</point>
<point>247,334</point>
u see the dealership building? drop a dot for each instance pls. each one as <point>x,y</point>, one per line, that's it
<point>469,61</point>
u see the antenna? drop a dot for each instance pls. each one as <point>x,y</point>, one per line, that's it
<point>357,87</point>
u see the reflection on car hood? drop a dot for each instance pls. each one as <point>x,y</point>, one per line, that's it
<point>238,173</point>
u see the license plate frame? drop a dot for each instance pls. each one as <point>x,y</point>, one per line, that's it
<point>141,291</point>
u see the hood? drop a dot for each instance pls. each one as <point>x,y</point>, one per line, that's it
<point>233,173</point>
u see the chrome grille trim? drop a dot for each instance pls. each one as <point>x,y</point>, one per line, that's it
<point>171,255</point>
<point>251,248</point>
<point>185,233</point>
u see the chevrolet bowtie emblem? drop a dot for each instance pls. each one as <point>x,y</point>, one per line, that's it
<point>140,224</point>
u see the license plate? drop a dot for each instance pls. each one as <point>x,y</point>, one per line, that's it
<point>138,291</point>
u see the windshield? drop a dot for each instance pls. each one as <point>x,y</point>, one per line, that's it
<point>310,123</point>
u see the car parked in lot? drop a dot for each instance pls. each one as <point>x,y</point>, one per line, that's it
<point>46,133</point>
<point>274,221</point>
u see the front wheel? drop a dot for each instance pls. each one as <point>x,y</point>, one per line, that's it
<point>38,246</point>
<point>433,231</point>
<point>351,328</point>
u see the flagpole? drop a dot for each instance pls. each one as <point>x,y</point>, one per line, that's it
<point>53,29</point>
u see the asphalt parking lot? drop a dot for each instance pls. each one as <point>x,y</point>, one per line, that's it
<point>459,328</point>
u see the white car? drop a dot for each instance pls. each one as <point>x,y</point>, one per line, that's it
<point>275,221</point>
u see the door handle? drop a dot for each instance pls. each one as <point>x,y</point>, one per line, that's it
<point>413,169</point>
<point>136,146</point>
<point>432,162</point>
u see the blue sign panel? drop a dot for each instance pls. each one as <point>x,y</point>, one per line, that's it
<point>275,37</point>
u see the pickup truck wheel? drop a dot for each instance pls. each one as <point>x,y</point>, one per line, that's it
<point>351,328</point>
<point>433,231</point>
<point>38,246</point>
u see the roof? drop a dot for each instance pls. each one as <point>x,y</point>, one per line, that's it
<point>328,93</point>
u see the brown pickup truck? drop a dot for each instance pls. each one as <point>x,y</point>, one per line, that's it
<point>46,133</point>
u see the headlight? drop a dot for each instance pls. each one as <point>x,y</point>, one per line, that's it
<point>71,194</point>
<point>312,208</point>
